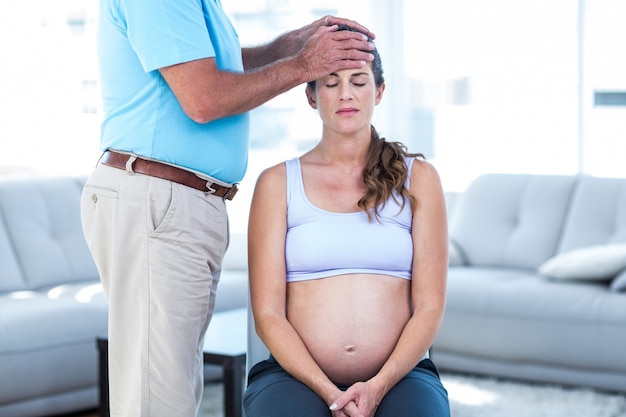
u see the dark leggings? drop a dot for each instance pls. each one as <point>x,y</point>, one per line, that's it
<point>272,392</point>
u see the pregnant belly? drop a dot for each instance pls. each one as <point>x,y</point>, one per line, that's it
<point>350,323</point>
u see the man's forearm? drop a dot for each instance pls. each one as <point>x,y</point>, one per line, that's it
<point>244,92</point>
<point>282,47</point>
<point>206,93</point>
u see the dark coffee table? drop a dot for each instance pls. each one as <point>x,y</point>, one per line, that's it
<point>225,345</point>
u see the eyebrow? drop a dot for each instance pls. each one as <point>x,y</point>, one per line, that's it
<point>356,74</point>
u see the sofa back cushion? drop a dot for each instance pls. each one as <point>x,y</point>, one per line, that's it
<point>11,278</point>
<point>597,214</point>
<point>236,257</point>
<point>42,221</point>
<point>511,220</point>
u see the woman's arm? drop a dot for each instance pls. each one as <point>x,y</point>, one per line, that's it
<point>268,287</point>
<point>428,289</point>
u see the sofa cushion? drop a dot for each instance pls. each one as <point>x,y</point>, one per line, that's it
<point>455,255</point>
<point>236,256</point>
<point>597,214</point>
<point>598,262</point>
<point>32,320</point>
<point>511,220</point>
<point>10,272</point>
<point>232,290</point>
<point>49,209</point>
<point>619,282</point>
<point>516,316</point>
<point>47,340</point>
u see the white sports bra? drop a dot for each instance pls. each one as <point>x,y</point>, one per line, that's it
<point>321,244</point>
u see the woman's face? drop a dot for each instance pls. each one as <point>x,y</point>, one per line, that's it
<point>345,99</point>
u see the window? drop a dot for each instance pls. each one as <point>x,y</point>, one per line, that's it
<point>49,98</point>
<point>493,85</point>
<point>604,85</point>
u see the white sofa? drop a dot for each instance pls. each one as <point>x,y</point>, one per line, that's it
<point>536,282</point>
<point>51,303</point>
<point>502,318</point>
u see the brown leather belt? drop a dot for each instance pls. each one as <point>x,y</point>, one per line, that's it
<point>168,172</point>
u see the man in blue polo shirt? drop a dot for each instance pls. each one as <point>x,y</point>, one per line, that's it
<point>176,86</point>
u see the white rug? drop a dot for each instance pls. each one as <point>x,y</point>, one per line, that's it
<point>486,397</point>
<point>472,396</point>
<point>212,400</point>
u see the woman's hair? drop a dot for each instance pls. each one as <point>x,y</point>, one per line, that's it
<point>386,170</point>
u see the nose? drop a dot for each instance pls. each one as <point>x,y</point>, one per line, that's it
<point>345,92</point>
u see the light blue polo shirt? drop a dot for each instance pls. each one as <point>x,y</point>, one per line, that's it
<point>141,114</point>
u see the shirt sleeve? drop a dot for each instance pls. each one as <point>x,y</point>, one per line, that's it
<point>167,32</point>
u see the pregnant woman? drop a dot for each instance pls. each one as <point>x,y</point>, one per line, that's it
<point>348,262</point>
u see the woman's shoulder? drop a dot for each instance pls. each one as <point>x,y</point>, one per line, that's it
<point>420,166</point>
<point>423,174</point>
<point>269,190</point>
<point>273,175</point>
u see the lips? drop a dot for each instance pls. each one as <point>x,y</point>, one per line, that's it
<point>347,111</point>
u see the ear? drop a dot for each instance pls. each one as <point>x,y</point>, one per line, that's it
<point>379,93</point>
<point>311,97</point>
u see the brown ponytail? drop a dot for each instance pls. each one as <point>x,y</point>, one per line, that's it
<point>385,172</point>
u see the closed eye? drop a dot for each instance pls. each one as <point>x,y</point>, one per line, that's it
<point>336,84</point>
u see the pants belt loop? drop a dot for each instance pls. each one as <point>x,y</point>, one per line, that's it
<point>129,165</point>
<point>228,193</point>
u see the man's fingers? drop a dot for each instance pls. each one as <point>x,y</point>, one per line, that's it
<point>356,49</point>
<point>340,47</point>
<point>346,35</point>
<point>332,20</point>
<point>345,38</point>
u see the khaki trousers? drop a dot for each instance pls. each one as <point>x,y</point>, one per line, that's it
<point>158,246</point>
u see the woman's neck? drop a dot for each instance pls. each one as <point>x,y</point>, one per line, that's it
<point>345,150</point>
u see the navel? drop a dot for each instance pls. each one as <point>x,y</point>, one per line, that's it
<point>350,348</point>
